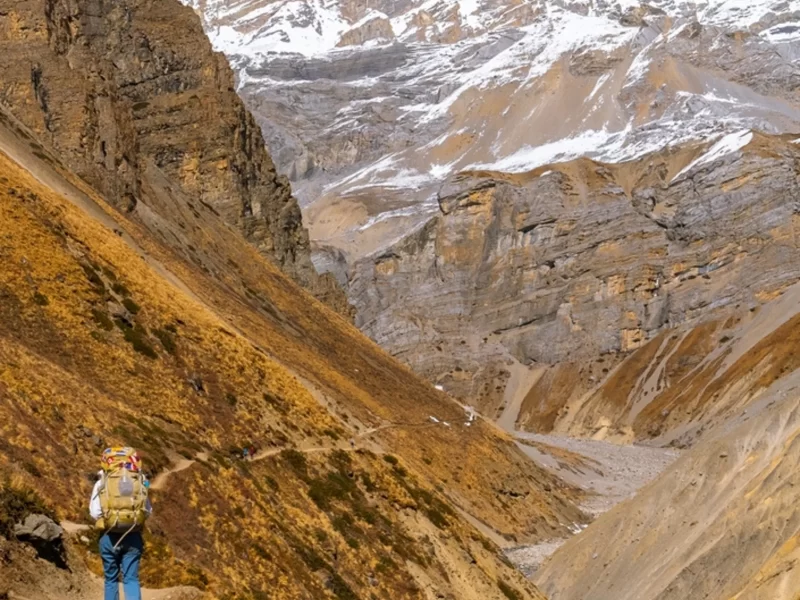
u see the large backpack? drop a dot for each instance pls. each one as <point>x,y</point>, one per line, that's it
<point>123,494</point>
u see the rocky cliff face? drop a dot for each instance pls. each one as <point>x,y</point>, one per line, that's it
<point>583,260</point>
<point>119,88</point>
<point>369,121</point>
<point>624,236</point>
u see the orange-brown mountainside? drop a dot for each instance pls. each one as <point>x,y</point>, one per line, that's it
<point>109,335</point>
<point>121,88</point>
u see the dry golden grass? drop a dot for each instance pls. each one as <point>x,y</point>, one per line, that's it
<point>98,347</point>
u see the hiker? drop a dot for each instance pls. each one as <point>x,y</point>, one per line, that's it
<point>353,443</point>
<point>119,505</point>
<point>252,451</point>
<point>245,452</point>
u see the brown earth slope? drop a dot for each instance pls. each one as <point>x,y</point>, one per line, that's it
<point>109,334</point>
<point>720,524</point>
<point>118,87</point>
<point>685,381</point>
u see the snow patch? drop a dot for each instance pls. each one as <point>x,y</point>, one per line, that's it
<point>728,144</point>
<point>783,33</point>
<point>407,211</point>
<point>600,82</point>
<point>533,55</point>
<point>370,16</point>
<point>469,11</point>
<point>439,171</point>
<point>471,415</point>
<point>307,27</point>
<point>530,157</point>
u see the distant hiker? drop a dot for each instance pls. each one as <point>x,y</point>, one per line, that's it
<point>252,452</point>
<point>120,506</point>
<point>353,443</point>
<point>245,452</point>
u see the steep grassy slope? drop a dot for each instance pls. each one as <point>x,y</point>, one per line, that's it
<point>108,335</point>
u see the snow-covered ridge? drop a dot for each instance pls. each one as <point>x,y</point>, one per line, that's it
<point>423,89</point>
<point>314,27</point>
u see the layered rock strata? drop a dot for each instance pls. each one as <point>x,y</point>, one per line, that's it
<point>119,88</point>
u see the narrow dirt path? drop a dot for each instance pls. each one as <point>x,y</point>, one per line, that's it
<point>184,463</point>
<point>74,528</point>
<point>366,433</point>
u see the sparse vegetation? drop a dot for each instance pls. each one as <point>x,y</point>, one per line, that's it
<point>119,288</point>
<point>136,336</point>
<point>167,341</point>
<point>94,278</point>
<point>297,461</point>
<point>436,517</point>
<point>131,306</point>
<point>334,486</point>
<point>275,402</point>
<point>369,485</point>
<point>40,299</point>
<point>102,319</point>
<point>508,591</point>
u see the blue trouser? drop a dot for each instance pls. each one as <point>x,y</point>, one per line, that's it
<point>122,561</point>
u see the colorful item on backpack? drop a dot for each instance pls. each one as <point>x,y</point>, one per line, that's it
<point>123,493</point>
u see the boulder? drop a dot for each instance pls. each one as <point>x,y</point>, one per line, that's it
<point>45,535</point>
<point>38,527</point>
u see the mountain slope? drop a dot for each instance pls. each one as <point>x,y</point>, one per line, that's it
<point>109,336</point>
<point>117,87</point>
<point>484,176</point>
<point>720,523</point>
<point>370,108</point>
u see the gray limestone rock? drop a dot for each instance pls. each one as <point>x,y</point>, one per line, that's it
<point>38,528</point>
<point>571,265</point>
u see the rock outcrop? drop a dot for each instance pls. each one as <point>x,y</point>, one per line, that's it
<point>581,261</point>
<point>369,122</point>
<point>118,89</point>
<point>45,535</point>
